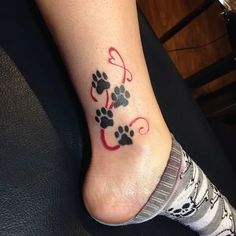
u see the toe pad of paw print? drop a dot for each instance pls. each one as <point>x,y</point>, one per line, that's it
<point>124,135</point>
<point>100,82</point>
<point>104,117</point>
<point>120,96</point>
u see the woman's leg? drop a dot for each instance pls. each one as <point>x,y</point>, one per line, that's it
<point>130,140</point>
<point>32,49</point>
<point>131,143</point>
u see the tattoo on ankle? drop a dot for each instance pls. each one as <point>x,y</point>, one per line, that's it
<point>119,98</point>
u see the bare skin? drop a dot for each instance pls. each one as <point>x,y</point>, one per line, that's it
<point>118,182</point>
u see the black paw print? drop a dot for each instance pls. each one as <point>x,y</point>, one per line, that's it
<point>100,82</point>
<point>104,117</point>
<point>124,135</point>
<point>120,96</point>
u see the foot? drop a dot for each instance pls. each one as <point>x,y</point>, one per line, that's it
<point>118,183</point>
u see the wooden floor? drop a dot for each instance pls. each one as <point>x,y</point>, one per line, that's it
<point>163,15</point>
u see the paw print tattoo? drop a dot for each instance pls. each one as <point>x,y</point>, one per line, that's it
<point>124,135</point>
<point>100,82</point>
<point>104,117</point>
<point>120,96</point>
<point>110,97</point>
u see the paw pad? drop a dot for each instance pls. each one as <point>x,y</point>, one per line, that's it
<point>124,135</point>
<point>120,96</point>
<point>104,117</point>
<point>100,82</point>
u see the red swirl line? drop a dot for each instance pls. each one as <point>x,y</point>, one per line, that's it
<point>91,94</point>
<point>111,106</point>
<point>112,60</point>
<point>107,98</point>
<point>104,142</point>
<point>142,127</point>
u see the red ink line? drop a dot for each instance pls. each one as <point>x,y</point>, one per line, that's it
<point>111,106</point>
<point>141,128</point>
<point>110,148</point>
<point>112,61</point>
<point>107,98</point>
<point>91,93</point>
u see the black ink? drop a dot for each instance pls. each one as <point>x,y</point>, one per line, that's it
<point>190,207</point>
<point>104,117</point>
<point>215,195</point>
<point>124,135</point>
<point>120,96</point>
<point>100,82</point>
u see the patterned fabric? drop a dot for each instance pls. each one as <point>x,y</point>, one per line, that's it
<point>198,204</point>
<point>185,194</point>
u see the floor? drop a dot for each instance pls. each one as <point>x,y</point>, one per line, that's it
<point>207,33</point>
